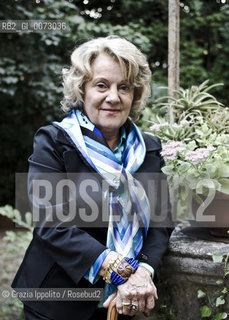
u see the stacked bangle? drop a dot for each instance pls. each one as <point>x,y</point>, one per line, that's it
<point>119,270</point>
<point>112,264</point>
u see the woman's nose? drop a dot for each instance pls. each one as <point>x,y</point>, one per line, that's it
<point>113,96</point>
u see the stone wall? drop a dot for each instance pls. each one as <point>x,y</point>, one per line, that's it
<point>188,267</point>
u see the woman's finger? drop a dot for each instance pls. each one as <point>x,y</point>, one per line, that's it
<point>109,299</point>
<point>150,303</point>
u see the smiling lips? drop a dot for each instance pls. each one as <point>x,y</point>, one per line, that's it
<point>110,110</point>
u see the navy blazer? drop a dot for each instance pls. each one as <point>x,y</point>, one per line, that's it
<point>60,257</point>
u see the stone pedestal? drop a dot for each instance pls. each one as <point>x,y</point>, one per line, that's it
<point>188,267</point>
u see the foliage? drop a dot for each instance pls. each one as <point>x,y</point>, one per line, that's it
<point>213,307</point>
<point>15,245</point>
<point>204,43</point>
<point>15,216</point>
<point>199,168</point>
<point>195,100</point>
<point>12,309</point>
<point>195,151</point>
<point>30,91</point>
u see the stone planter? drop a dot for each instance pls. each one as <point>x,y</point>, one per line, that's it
<point>188,267</point>
<point>213,213</point>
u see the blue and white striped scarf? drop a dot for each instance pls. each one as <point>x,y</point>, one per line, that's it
<point>123,236</point>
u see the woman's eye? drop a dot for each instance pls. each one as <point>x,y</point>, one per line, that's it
<point>101,86</point>
<point>124,87</point>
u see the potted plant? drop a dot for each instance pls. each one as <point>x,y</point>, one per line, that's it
<point>196,154</point>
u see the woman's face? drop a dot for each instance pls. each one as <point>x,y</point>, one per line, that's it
<point>108,96</point>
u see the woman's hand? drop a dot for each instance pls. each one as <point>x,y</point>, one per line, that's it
<point>139,290</point>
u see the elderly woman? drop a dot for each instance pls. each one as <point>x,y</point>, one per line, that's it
<point>104,90</point>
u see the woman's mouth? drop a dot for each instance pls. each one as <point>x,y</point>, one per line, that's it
<point>111,110</point>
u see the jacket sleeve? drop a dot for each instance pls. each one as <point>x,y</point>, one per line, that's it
<point>72,248</point>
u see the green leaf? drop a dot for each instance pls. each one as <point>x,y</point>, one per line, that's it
<point>184,166</point>
<point>219,301</point>
<point>219,282</point>
<point>213,86</point>
<point>217,257</point>
<point>28,218</point>
<point>220,316</point>
<point>205,183</point>
<point>201,294</point>
<point>10,236</point>
<point>10,80</point>
<point>17,216</point>
<point>212,169</point>
<point>205,312</point>
<point>199,132</point>
<point>224,290</point>
<point>224,170</point>
<point>183,195</point>
<point>75,19</point>
<point>224,185</point>
<point>168,169</point>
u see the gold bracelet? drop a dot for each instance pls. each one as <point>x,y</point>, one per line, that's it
<point>111,265</point>
<point>121,267</point>
<point>116,263</point>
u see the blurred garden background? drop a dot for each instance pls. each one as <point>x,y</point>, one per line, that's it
<point>31,84</point>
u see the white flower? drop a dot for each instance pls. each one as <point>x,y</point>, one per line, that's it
<point>211,148</point>
<point>158,126</point>
<point>171,150</point>
<point>197,156</point>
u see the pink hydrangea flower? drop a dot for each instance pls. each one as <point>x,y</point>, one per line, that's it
<point>158,126</point>
<point>198,156</point>
<point>170,151</point>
